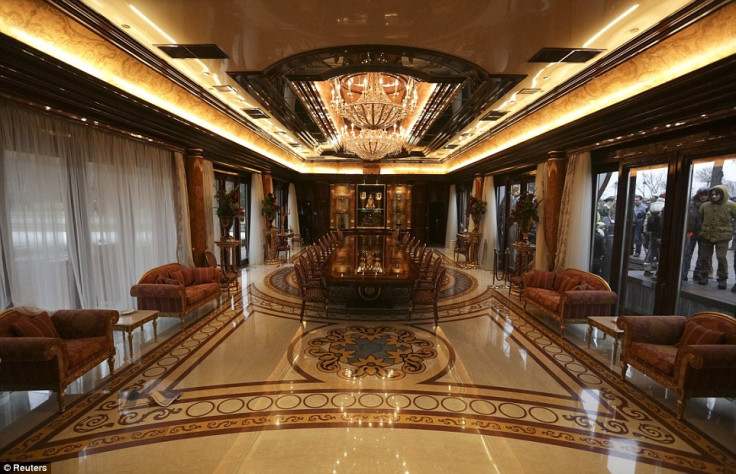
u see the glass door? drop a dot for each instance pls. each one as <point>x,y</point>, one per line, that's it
<point>646,212</point>
<point>707,254</point>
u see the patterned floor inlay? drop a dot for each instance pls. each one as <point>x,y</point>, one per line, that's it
<point>494,372</point>
<point>354,352</point>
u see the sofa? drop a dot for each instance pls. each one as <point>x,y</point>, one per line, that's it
<point>175,290</point>
<point>47,351</point>
<point>569,296</point>
<point>693,357</point>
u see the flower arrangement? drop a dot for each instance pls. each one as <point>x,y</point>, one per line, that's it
<point>476,208</point>
<point>525,211</point>
<point>228,204</point>
<point>269,207</point>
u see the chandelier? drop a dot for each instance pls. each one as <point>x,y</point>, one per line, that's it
<point>381,103</point>
<point>372,145</point>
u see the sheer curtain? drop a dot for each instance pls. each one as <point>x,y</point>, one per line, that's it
<point>490,224</point>
<point>451,232</point>
<point>84,212</point>
<point>293,209</point>
<point>576,214</point>
<point>256,239</point>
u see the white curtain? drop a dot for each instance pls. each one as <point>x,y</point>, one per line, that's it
<point>257,227</point>
<point>181,203</point>
<point>210,218</point>
<point>293,209</point>
<point>84,212</point>
<point>540,191</point>
<point>576,214</point>
<point>451,232</point>
<point>489,224</point>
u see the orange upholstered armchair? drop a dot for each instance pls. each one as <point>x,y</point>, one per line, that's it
<point>42,351</point>
<point>694,357</point>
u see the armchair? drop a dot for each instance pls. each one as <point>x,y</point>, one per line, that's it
<point>694,357</point>
<point>48,352</point>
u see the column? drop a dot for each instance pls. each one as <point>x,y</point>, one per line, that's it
<point>193,162</point>
<point>556,168</point>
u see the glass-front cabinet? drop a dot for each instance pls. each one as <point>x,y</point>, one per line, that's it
<point>341,212</point>
<point>398,211</point>
<point>370,206</point>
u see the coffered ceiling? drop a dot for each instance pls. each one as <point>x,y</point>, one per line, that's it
<point>481,67</point>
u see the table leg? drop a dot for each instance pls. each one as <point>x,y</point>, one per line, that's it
<point>130,341</point>
<point>590,334</point>
<point>615,347</point>
<point>155,336</point>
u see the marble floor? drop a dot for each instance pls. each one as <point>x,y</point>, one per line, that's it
<point>491,389</point>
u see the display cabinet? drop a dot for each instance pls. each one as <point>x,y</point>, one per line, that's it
<point>370,205</point>
<point>398,208</point>
<point>342,215</point>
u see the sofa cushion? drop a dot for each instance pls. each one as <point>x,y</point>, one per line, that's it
<point>547,299</point>
<point>185,276</point>
<point>162,280</point>
<point>39,325</point>
<point>203,275</point>
<point>540,279</point>
<point>695,334</point>
<point>80,351</point>
<point>661,358</point>
<point>564,283</point>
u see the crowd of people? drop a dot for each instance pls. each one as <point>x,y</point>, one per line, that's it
<point>710,228</point>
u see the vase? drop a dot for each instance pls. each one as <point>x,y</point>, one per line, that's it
<point>226,222</point>
<point>524,228</point>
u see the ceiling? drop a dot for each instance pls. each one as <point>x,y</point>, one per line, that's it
<point>480,66</point>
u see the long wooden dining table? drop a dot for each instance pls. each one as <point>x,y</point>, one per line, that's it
<point>372,265</point>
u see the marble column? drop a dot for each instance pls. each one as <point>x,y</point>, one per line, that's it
<point>556,168</point>
<point>194,166</point>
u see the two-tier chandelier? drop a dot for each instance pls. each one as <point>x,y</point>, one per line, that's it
<point>372,145</point>
<point>372,103</point>
<point>373,100</point>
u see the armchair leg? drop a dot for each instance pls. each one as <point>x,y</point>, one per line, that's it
<point>624,368</point>
<point>111,362</point>
<point>60,396</point>
<point>680,407</point>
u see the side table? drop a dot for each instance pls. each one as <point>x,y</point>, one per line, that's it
<point>607,325</point>
<point>128,322</point>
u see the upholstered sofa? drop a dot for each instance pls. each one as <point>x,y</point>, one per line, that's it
<point>693,357</point>
<point>569,296</point>
<point>175,290</point>
<point>42,351</point>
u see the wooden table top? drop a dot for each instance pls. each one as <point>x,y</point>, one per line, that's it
<point>370,260</point>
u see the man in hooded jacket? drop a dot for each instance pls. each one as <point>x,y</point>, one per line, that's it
<point>717,216</point>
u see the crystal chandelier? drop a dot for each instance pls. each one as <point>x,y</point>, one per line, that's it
<point>379,105</point>
<point>372,145</point>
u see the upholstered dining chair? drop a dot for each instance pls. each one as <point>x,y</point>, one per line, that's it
<point>311,291</point>
<point>427,295</point>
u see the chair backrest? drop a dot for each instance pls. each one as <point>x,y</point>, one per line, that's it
<point>301,277</point>
<point>419,253</point>
<point>435,268</point>
<point>405,239</point>
<point>438,281</point>
<point>210,258</point>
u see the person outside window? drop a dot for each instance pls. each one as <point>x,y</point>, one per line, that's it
<point>640,213</point>
<point>718,215</point>
<point>694,223</point>
<point>654,231</point>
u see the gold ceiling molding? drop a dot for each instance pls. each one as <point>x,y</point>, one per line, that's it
<point>705,42</point>
<point>47,29</point>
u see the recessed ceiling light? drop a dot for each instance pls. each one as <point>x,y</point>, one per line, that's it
<point>125,27</point>
<point>224,88</point>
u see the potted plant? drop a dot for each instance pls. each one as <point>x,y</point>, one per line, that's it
<point>525,214</point>
<point>228,209</point>
<point>476,208</point>
<point>269,208</point>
